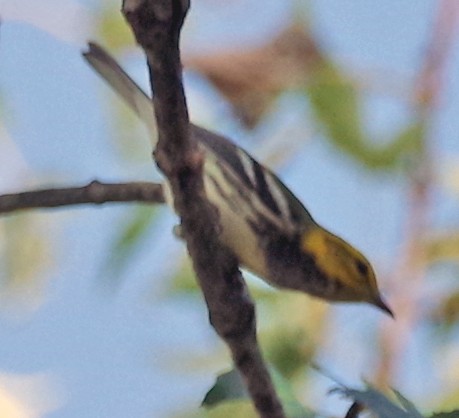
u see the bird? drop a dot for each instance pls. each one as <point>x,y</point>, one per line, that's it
<point>263,223</point>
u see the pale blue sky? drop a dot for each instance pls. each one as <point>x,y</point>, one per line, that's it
<point>111,355</point>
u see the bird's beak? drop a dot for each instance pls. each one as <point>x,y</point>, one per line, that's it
<point>383,306</point>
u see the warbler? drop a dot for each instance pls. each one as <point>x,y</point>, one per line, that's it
<point>268,229</point>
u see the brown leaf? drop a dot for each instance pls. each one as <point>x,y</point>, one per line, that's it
<point>251,78</point>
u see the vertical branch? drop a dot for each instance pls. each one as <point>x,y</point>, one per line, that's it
<point>407,278</point>
<point>156,25</point>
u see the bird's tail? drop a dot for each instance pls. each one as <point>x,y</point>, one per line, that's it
<point>124,85</point>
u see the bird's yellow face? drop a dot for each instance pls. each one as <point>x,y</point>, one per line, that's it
<point>350,272</point>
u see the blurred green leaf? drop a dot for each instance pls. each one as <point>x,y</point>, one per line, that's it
<point>336,104</point>
<point>443,247</point>
<point>449,399</point>
<point>237,408</point>
<point>293,408</point>
<point>447,313</point>
<point>128,241</point>
<point>229,386</point>
<point>288,349</point>
<point>380,404</point>
<point>112,28</point>
<point>407,404</point>
<point>25,252</point>
<point>184,280</point>
<point>292,327</point>
<point>451,414</point>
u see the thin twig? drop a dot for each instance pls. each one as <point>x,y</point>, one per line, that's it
<point>157,27</point>
<point>94,192</point>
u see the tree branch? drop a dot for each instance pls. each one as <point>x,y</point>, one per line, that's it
<point>407,279</point>
<point>94,192</point>
<point>156,26</point>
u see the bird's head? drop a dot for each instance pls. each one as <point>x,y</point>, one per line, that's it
<point>352,278</point>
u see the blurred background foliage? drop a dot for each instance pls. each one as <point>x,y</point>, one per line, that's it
<point>249,82</point>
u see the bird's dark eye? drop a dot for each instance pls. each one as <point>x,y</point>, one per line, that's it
<point>362,267</point>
